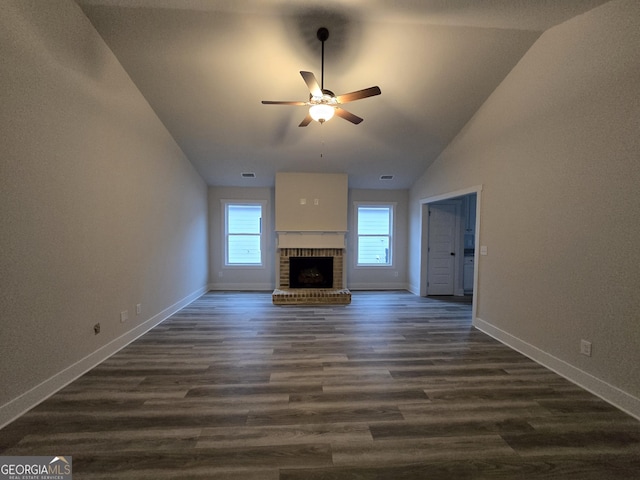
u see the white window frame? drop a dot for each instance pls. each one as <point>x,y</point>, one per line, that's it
<point>392,209</point>
<point>225,232</point>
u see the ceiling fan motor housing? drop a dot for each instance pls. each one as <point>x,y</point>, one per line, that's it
<point>323,34</point>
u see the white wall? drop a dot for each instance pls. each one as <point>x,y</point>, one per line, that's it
<point>100,209</point>
<point>556,148</point>
<point>240,278</point>
<point>379,278</point>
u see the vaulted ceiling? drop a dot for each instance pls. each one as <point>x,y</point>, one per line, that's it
<point>205,65</point>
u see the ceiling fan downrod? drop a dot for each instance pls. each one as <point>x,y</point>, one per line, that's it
<point>323,35</point>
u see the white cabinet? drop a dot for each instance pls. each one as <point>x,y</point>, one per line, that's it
<point>467,279</point>
<point>470,217</point>
<point>469,221</point>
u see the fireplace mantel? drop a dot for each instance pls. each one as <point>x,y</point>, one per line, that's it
<point>311,239</point>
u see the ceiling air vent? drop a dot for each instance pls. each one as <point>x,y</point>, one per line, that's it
<point>386,177</point>
<point>248,175</point>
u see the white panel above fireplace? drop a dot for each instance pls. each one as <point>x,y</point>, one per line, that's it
<point>311,240</point>
<point>311,202</point>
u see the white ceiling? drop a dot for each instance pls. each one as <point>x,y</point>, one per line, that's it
<point>205,65</point>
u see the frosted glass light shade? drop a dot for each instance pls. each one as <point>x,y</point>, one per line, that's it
<point>321,112</point>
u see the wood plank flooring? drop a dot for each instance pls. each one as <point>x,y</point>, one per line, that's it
<point>393,386</point>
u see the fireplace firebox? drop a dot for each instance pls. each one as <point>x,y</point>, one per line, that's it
<point>311,272</point>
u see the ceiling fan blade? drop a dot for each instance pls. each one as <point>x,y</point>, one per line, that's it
<point>312,83</point>
<point>273,102</point>
<point>350,97</point>
<point>306,121</point>
<point>341,112</point>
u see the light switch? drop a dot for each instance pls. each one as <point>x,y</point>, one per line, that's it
<point>316,201</point>
<point>483,249</point>
<point>303,201</point>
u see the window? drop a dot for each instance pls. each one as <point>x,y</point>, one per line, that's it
<point>243,233</point>
<point>374,227</point>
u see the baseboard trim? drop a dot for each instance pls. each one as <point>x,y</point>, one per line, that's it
<point>13,409</point>
<point>240,287</point>
<point>609,393</point>
<point>377,286</point>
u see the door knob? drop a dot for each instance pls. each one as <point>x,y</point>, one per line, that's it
<point>453,254</point>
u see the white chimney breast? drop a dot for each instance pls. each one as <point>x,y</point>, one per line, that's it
<point>326,213</point>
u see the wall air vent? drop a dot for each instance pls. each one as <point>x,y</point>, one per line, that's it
<point>386,177</point>
<point>248,175</point>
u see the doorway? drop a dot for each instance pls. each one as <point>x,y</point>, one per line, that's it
<point>437,272</point>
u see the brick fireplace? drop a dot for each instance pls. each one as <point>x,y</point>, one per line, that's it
<point>336,294</point>
<point>285,263</point>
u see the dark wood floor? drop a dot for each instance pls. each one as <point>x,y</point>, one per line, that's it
<point>393,386</point>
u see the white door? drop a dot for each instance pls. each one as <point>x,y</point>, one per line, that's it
<point>441,256</point>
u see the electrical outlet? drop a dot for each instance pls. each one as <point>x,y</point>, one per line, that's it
<point>585,348</point>
<point>138,309</point>
<point>124,316</point>
<point>96,329</point>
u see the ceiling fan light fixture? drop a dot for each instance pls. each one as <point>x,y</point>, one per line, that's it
<point>321,112</point>
<point>322,103</point>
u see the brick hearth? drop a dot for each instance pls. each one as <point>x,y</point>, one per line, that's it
<point>311,296</point>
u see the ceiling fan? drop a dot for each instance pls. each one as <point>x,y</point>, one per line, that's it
<point>323,103</point>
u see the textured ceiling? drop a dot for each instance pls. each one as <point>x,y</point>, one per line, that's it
<point>205,65</point>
